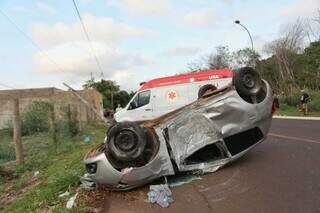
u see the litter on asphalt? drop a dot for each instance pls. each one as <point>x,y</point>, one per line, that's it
<point>160,194</point>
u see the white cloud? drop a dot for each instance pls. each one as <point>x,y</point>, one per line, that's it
<point>147,7</point>
<point>181,51</point>
<point>45,8</point>
<point>68,55</point>
<point>227,1</point>
<point>200,18</point>
<point>302,8</point>
<point>20,9</point>
<point>102,29</point>
<point>75,59</point>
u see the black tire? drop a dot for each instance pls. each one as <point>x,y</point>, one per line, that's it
<point>204,89</point>
<point>247,81</point>
<point>126,142</point>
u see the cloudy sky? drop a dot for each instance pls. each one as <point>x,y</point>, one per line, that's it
<point>134,40</point>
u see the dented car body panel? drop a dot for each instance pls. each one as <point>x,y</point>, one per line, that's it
<point>200,138</point>
<point>209,121</point>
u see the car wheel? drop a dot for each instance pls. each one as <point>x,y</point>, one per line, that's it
<point>247,81</point>
<point>126,142</point>
<point>205,88</point>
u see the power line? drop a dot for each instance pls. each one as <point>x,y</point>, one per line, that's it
<point>31,40</point>
<point>88,38</point>
<point>4,85</point>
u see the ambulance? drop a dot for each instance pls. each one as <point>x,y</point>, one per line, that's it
<point>162,95</point>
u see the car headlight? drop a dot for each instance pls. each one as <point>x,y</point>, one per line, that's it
<point>91,168</point>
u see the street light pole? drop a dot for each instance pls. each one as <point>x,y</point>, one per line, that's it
<point>238,22</point>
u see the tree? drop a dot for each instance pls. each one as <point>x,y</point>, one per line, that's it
<point>112,96</point>
<point>122,98</point>
<point>284,49</point>
<point>245,57</point>
<point>314,27</point>
<point>312,54</point>
<point>221,59</point>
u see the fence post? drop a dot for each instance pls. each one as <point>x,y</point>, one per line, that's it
<point>79,117</point>
<point>53,126</point>
<point>17,132</point>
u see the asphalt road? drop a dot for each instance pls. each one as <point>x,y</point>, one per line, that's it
<point>280,175</point>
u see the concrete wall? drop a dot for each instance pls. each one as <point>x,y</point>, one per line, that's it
<point>60,98</point>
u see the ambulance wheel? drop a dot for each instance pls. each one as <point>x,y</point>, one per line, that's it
<point>247,81</point>
<point>205,88</point>
<point>126,142</point>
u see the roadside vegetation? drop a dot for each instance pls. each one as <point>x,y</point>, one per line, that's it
<point>289,105</point>
<point>48,171</point>
<point>51,167</point>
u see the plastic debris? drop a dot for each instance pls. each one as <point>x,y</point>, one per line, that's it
<point>182,179</point>
<point>160,194</point>
<point>36,173</point>
<point>86,138</point>
<point>71,201</point>
<point>87,183</point>
<point>64,194</point>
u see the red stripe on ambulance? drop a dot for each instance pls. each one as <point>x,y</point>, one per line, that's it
<point>187,78</point>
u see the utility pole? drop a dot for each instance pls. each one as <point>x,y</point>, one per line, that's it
<point>17,132</point>
<point>91,76</point>
<point>111,99</point>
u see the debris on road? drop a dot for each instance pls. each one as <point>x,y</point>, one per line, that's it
<point>66,193</point>
<point>71,202</point>
<point>182,179</point>
<point>36,173</point>
<point>87,139</point>
<point>87,183</point>
<point>160,194</point>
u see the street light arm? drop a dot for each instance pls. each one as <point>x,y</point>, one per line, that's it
<point>249,35</point>
<point>238,22</point>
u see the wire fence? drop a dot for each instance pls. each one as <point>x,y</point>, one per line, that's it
<point>43,123</point>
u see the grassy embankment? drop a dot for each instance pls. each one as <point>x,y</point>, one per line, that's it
<point>289,106</point>
<point>59,170</point>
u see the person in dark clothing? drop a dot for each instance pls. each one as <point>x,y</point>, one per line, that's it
<point>275,105</point>
<point>276,102</point>
<point>304,99</point>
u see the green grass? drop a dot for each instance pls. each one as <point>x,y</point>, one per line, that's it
<point>286,110</point>
<point>6,148</point>
<point>289,104</point>
<point>59,170</point>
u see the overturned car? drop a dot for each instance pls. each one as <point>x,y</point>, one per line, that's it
<point>201,137</point>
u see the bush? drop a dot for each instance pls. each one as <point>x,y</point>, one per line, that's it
<point>67,128</point>
<point>7,152</point>
<point>69,125</point>
<point>294,101</point>
<point>314,104</point>
<point>35,119</point>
